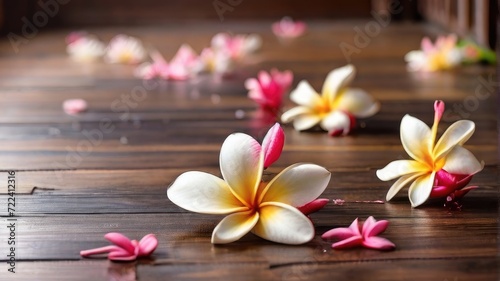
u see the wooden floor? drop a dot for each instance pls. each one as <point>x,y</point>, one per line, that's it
<point>76,181</point>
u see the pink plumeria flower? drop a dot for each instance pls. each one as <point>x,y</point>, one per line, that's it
<point>83,47</point>
<point>74,106</point>
<point>438,168</point>
<point>124,248</point>
<point>365,236</point>
<point>265,209</point>
<point>268,88</point>
<point>335,110</point>
<point>238,46</point>
<point>216,62</point>
<point>179,67</point>
<point>125,49</point>
<point>287,28</point>
<point>442,55</point>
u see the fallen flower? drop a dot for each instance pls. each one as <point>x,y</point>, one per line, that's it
<point>335,109</point>
<point>125,49</point>
<point>124,248</point>
<point>365,235</point>
<point>265,209</point>
<point>439,168</point>
<point>83,47</point>
<point>74,106</point>
<point>238,46</point>
<point>268,88</point>
<point>442,55</point>
<point>179,68</point>
<point>288,28</point>
<point>211,61</point>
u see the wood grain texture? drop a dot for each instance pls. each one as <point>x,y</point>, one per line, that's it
<point>67,200</point>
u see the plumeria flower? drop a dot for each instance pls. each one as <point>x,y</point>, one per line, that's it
<point>268,88</point>
<point>438,169</point>
<point>365,236</point>
<point>211,61</point>
<point>442,55</point>
<point>265,209</point>
<point>179,68</point>
<point>124,248</point>
<point>238,46</point>
<point>83,47</point>
<point>125,49</point>
<point>335,109</point>
<point>287,28</point>
<point>74,106</point>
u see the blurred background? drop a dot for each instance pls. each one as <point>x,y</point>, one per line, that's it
<point>474,19</point>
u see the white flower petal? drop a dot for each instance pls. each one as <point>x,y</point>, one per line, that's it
<point>294,112</point>
<point>306,121</point>
<point>203,193</point>
<point>415,137</point>
<point>399,184</point>
<point>336,80</point>
<point>335,121</point>
<point>282,223</point>
<point>457,134</point>
<point>241,164</point>
<point>305,95</point>
<point>400,168</point>
<point>357,102</point>
<point>297,185</point>
<point>461,161</point>
<point>234,226</point>
<point>420,189</point>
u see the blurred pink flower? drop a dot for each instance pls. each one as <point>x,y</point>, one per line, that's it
<point>268,88</point>
<point>442,55</point>
<point>288,28</point>
<point>74,106</point>
<point>124,248</point>
<point>365,236</point>
<point>238,46</point>
<point>212,61</point>
<point>179,68</point>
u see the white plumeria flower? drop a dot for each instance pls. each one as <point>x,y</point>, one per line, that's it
<point>429,156</point>
<point>125,49</point>
<point>335,108</point>
<point>265,209</point>
<point>85,48</point>
<point>212,61</point>
<point>442,55</point>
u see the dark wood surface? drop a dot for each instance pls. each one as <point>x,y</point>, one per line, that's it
<point>120,185</point>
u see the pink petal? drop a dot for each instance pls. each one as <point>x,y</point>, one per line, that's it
<point>272,145</point>
<point>461,193</point>
<point>348,243</point>
<point>374,227</point>
<point>147,245</point>
<point>427,45</point>
<point>102,250</point>
<point>121,241</point>
<point>121,255</point>
<point>74,106</point>
<point>343,232</point>
<point>378,243</point>
<point>75,36</point>
<point>313,206</point>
